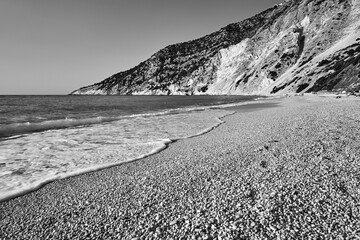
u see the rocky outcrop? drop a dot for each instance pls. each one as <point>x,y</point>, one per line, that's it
<point>297,46</point>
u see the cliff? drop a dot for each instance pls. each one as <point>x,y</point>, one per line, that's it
<point>297,46</point>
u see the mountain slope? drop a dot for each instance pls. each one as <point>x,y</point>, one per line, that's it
<point>297,46</point>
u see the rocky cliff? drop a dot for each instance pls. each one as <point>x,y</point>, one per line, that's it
<point>297,46</point>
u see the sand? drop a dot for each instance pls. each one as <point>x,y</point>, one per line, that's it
<point>288,169</point>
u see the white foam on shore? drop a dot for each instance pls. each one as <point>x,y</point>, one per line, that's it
<point>29,162</point>
<point>39,183</point>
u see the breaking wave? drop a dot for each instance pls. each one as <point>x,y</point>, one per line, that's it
<point>31,160</point>
<point>8,131</point>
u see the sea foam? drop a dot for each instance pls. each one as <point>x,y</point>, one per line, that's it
<point>30,160</point>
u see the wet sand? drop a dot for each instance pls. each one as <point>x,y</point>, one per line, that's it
<point>288,169</point>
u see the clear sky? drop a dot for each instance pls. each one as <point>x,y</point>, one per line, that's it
<point>57,46</point>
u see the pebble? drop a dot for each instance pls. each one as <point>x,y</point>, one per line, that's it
<point>304,195</point>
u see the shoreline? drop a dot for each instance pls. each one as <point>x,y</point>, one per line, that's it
<point>165,142</point>
<point>229,179</point>
<point>40,184</point>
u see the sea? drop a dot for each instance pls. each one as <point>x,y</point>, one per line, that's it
<point>44,138</point>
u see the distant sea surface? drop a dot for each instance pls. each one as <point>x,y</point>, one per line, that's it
<point>43,138</point>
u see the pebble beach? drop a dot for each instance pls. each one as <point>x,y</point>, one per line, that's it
<point>287,169</point>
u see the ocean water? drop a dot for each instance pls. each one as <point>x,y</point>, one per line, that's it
<point>43,138</point>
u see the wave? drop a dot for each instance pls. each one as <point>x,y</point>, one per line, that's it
<point>10,130</point>
<point>160,146</point>
<point>7,131</point>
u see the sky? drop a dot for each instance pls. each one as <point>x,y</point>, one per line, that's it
<point>57,46</point>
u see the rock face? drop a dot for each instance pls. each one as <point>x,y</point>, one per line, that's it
<point>297,46</point>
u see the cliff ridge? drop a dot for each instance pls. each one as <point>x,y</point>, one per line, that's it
<point>294,47</point>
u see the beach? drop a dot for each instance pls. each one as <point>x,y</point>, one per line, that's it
<point>289,168</point>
